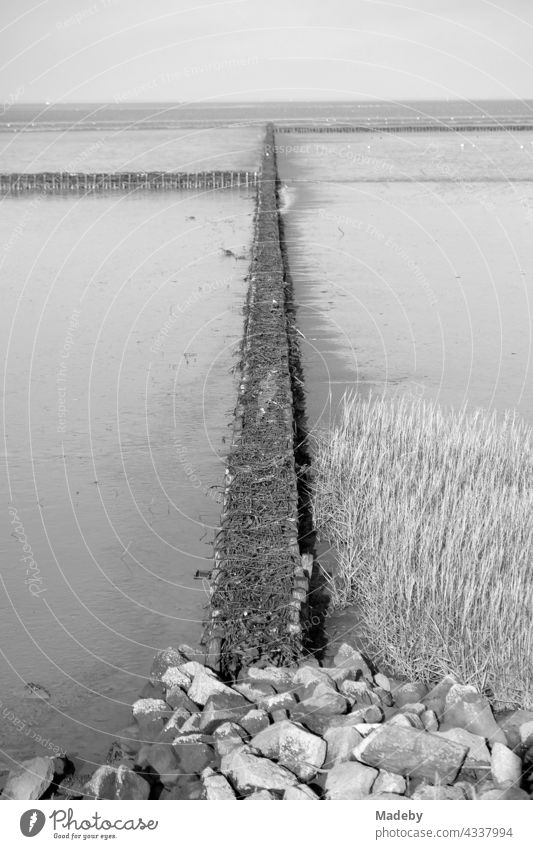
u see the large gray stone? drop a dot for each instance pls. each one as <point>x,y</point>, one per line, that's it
<point>438,792</point>
<point>340,741</point>
<point>292,746</point>
<point>248,773</point>
<point>164,660</point>
<point>349,780</point>
<point>277,676</point>
<point>466,708</point>
<point>347,657</point>
<point>410,692</point>
<point>227,737</point>
<point>389,782</point>
<point>435,699</point>
<point>193,755</point>
<point>278,701</point>
<point>510,725</point>
<point>254,721</point>
<point>221,708</point>
<point>409,751</point>
<point>30,779</point>
<point>216,787</point>
<point>326,700</point>
<point>162,758</point>
<point>204,685</point>
<point>478,755</point>
<point>505,765</point>
<point>121,783</point>
<point>173,677</point>
<point>151,715</point>
<point>300,793</point>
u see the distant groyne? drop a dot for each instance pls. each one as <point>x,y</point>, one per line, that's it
<point>59,182</point>
<point>435,127</point>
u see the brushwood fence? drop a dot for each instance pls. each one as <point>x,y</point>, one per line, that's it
<point>66,182</point>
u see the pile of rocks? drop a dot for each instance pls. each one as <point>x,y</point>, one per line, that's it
<point>309,732</point>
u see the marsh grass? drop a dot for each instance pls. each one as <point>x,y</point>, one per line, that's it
<point>431,517</point>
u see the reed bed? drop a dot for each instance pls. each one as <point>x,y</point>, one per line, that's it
<point>431,516</point>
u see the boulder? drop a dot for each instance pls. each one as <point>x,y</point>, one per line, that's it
<point>478,755</point>
<point>359,693</point>
<point>173,677</point>
<point>221,708</point>
<point>468,709</point>
<point>438,792</point>
<point>367,713</point>
<point>526,733</point>
<point>193,755</point>
<point>205,684</point>
<point>174,726</point>
<point>227,737</point>
<point>164,660</point>
<point>382,681</point>
<point>409,693</point>
<point>340,741</point>
<point>349,780</point>
<point>307,676</point>
<point>254,721</point>
<point>216,787</point>
<point>510,724</point>
<point>430,721</point>
<point>279,701</point>
<point>248,773</point>
<point>121,783</point>
<point>254,691</point>
<point>261,796</point>
<point>186,788</point>
<point>274,675</point>
<point>292,746</point>
<point>418,708</point>
<point>435,699</point>
<point>30,779</point>
<point>299,793</point>
<point>151,715</point>
<point>505,793</point>
<point>411,752</point>
<point>192,724</point>
<point>178,698</point>
<point>389,782</point>
<point>505,765</point>
<point>162,758</point>
<point>346,657</point>
<point>325,699</point>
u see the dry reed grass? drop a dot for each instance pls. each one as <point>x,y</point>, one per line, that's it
<point>431,517</point>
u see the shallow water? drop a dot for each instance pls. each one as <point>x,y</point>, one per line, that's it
<point>120,318</point>
<point>412,262</point>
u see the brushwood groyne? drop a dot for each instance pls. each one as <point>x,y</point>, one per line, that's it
<point>260,580</point>
<point>58,182</point>
<point>435,127</point>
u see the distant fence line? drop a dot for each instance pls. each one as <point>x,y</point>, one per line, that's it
<point>125,181</point>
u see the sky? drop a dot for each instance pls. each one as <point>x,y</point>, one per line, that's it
<point>249,50</point>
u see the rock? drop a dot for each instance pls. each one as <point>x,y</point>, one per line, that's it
<point>261,795</point>
<point>192,667</point>
<point>227,737</point>
<point>192,724</point>
<point>526,733</point>
<point>150,715</point>
<point>505,765</point>
<point>418,708</point>
<point>325,700</point>
<point>193,755</point>
<point>340,741</point>
<point>436,698</point>
<point>279,701</point>
<point>359,692</point>
<point>216,787</point>
<point>506,793</point>
<point>432,792</point>
<point>292,746</point>
<point>173,726</point>
<point>389,782</point>
<point>173,677</point>
<point>274,675</point>
<point>347,657</point>
<point>254,721</point>
<point>163,760</point>
<point>247,773</point>
<point>204,685</point>
<point>382,681</point>
<point>369,713</point>
<point>410,752</point>
<point>395,796</point>
<point>299,793</point>
<point>466,708</point>
<point>365,729</point>
<point>254,691</point>
<point>478,755</point>
<point>384,696</point>
<point>186,788</point>
<point>412,691</point>
<point>189,652</point>
<point>121,783</point>
<point>307,676</point>
<point>510,725</point>
<point>153,691</point>
<point>430,721</point>
<point>349,781</point>
<point>403,720</point>
<point>164,660</point>
<point>128,738</point>
<point>178,698</point>
<point>221,708</point>
<point>30,779</point>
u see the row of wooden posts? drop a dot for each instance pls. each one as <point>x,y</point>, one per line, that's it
<point>129,181</point>
<point>401,128</point>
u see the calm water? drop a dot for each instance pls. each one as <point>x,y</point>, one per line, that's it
<point>120,319</point>
<point>413,265</point>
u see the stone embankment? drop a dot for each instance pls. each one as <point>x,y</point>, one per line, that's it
<point>59,182</point>
<point>306,732</point>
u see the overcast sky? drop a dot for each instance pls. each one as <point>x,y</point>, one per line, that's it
<point>176,50</point>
